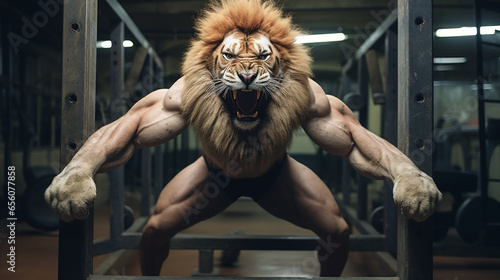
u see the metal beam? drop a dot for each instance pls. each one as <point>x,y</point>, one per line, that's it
<point>377,34</point>
<point>117,86</point>
<point>415,89</point>
<point>361,243</point>
<point>390,134</point>
<point>77,124</point>
<point>123,15</point>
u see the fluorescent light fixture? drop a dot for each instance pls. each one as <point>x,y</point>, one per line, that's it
<point>466,31</point>
<point>107,44</point>
<point>449,60</point>
<point>104,44</point>
<point>128,44</point>
<point>320,38</point>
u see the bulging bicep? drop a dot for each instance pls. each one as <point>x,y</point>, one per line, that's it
<point>160,121</point>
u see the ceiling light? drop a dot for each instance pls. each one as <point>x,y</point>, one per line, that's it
<point>128,44</point>
<point>449,60</point>
<point>466,31</point>
<point>320,38</point>
<point>107,44</point>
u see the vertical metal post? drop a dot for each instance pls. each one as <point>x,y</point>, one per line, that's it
<point>415,122</point>
<point>77,123</point>
<point>481,111</point>
<point>363,80</point>
<point>390,134</point>
<point>147,83</point>
<point>206,261</point>
<point>117,86</point>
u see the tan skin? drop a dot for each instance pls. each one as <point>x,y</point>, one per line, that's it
<point>298,195</point>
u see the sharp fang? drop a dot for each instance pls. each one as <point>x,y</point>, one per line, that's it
<point>258,94</point>
<point>238,115</point>
<point>255,114</point>
<point>234,94</point>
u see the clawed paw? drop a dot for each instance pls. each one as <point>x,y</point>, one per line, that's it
<point>71,194</point>
<point>416,195</point>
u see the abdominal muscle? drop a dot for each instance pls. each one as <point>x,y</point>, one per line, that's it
<point>236,170</point>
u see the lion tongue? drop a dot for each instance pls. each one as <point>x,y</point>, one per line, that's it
<point>246,100</point>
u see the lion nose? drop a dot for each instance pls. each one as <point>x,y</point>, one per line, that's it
<point>247,78</point>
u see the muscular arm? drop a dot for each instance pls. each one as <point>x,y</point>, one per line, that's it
<point>334,128</point>
<point>153,120</point>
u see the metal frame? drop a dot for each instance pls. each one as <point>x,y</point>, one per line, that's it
<point>77,124</point>
<point>414,87</point>
<point>482,100</point>
<point>415,126</point>
<point>414,240</point>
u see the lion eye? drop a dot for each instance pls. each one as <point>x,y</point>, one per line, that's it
<point>263,56</point>
<point>228,56</point>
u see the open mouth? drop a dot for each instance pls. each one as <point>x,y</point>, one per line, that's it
<point>246,101</point>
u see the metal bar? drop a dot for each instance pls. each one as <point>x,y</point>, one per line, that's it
<point>104,246</point>
<point>206,261</point>
<point>363,81</point>
<point>134,73</point>
<point>117,85</point>
<point>415,89</point>
<point>77,123</point>
<point>363,243</point>
<point>481,112</point>
<point>491,101</point>
<point>362,226</point>
<point>123,15</point>
<point>377,34</point>
<point>466,250</point>
<point>390,134</point>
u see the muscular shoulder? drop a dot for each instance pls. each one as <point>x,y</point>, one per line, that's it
<point>173,96</point>
<point>320,106</point>
<point>324,105</point>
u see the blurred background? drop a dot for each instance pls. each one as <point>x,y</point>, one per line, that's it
<point>31,71</point>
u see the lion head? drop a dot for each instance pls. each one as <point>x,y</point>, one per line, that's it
<point>246,82</point>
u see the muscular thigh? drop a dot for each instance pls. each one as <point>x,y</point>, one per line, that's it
<point>300,197</point>
<point>190,197</point>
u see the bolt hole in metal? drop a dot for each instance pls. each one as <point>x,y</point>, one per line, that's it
<point>420,144</point>
<point>75,27</point>
<point>420,98</point>
<point>72,98</point>
<point>72,146</point>
<point>419,21</point>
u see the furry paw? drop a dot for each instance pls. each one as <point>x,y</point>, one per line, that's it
<point>71,194</point>
<point>416,195</point>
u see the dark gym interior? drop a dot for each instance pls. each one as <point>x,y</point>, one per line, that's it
<point>360,69</point>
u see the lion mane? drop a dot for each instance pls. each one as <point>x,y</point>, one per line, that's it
<point>206,111</point>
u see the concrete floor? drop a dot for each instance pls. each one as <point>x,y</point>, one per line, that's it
<point>36,252</point>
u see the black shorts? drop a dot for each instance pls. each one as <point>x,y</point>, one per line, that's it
<point>250,187</point>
